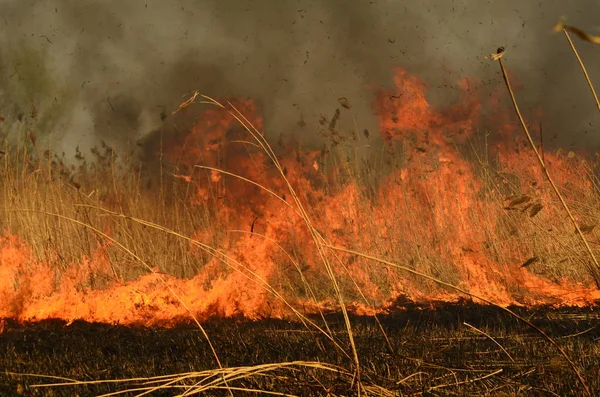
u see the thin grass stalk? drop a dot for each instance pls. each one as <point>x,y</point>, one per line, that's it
<point>389,344</point>
<point>304,281</point>
<point>560,26</point>
<point>594,271</point>
<point>207,380</point>
<point>317,238</point>
<point>490,338</point>
<point>227,260</point>
<point>585,73</point>
<point>146,265</point>
<point>490,302</point>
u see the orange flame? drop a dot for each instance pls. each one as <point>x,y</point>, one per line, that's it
<point>436,213</point>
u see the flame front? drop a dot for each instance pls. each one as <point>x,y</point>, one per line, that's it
<point>489,225</point>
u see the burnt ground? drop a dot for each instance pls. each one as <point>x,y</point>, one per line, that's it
<point>430,352</point>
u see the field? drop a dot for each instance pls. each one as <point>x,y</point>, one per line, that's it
<point>429,258</point>
<point>443,349</point>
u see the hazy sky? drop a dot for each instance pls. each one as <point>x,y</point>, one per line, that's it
<point>108,68</point>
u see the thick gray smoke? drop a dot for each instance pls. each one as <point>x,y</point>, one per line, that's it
<point>109,69</point>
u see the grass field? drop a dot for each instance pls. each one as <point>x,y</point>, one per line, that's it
<point>431,351</point>
<point>216,224</point>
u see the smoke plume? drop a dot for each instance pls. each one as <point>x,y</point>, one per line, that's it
<point>111,70</point>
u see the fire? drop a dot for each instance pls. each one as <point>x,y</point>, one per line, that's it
<point>436,211</point>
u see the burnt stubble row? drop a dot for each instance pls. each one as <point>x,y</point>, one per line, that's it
<point>429,350</point>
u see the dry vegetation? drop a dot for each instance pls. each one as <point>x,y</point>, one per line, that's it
<point>139,221</point>
<point>461,348</point>
<point>46,197</point>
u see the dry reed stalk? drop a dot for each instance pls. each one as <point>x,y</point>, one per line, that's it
<point>227,260</point>
<point>490,302</point>
<point>316,236</point>
<point>490,338</point>
<point>205,381</point>
<point>594,271</point>
<point>560,26</point>
<point>496,372</point>
<point>146,265</point>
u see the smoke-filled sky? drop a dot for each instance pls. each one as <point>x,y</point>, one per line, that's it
<point>107,69</point>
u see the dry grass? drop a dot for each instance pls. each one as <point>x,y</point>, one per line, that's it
<point>48,183</point>
<point>399,203</point>
<point>509,233</point>
<point>431,350</point>
<point>37,186</point>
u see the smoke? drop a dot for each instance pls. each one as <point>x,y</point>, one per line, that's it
<point>110,70</point>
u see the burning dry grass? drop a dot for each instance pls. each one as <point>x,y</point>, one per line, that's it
<point>228,226</point>
<point>490,222</point>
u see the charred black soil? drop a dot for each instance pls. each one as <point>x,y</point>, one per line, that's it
<point>441,349</point>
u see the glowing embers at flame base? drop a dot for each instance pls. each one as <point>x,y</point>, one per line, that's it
<point>437,213</point>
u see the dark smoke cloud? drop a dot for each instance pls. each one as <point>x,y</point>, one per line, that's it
<point>109,69</point>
